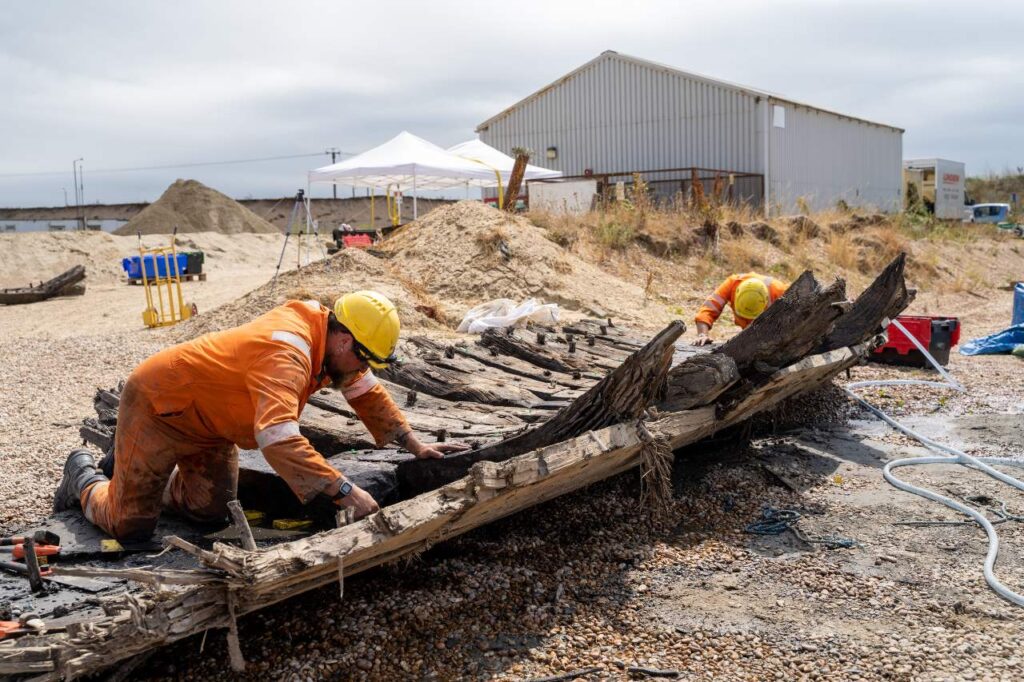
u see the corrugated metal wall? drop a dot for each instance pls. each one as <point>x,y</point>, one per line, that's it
<point>621,116</point>
<point>824,157</point>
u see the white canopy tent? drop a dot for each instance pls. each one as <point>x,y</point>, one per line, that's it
<point>501,164</point>
<point>481,152</point>
<point>405,160</point>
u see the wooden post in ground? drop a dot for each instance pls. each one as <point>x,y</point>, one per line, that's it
<point>514,182</point>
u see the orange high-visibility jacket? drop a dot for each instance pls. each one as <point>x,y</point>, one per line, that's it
<point>249,385</point>
<point>726,293</point>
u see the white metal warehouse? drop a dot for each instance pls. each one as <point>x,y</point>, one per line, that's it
<point>618,114</point>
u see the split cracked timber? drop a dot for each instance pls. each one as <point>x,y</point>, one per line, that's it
<point>547,416</point>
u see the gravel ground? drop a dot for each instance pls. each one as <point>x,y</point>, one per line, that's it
<point>589,581</point>
<point>48,388</point>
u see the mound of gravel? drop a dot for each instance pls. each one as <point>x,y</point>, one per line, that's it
<point>326,280</point>
<point>191,206</point>
<point>469,252</point>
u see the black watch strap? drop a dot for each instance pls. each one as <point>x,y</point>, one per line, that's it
<point>343,490</point>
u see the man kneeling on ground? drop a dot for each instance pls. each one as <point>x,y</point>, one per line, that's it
<point>184,410</point>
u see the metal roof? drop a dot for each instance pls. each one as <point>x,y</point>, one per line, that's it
<point>612,54</point>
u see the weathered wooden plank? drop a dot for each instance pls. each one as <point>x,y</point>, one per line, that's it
<point>490,491</point>
<point>622,395</point>
<point>513,365</point>
<point>885,298</point>
<point>453,385</point>
<point>799,377</point>
<point>559,351</point>
<point>445,357</point>
<point>789,328</point>
<point>699,381</point>
<point>61,285</point>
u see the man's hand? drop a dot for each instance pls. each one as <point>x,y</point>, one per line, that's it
<point>703,340</point>
<point>410,442</point>
<point>439,450</point>
<point>360,501</point>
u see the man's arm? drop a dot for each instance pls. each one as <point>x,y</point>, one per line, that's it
<point>385,421</point>
<point>274,383</point>
<point>712,308</point>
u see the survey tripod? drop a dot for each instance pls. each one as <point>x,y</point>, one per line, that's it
<point>309,229</point>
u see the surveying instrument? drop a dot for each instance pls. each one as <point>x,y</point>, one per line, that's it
<point>309,230</point>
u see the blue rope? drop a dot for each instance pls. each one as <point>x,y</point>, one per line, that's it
<point>777,521</point>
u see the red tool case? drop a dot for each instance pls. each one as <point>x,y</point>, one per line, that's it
<point>357,240</point>
<point>937,334</point>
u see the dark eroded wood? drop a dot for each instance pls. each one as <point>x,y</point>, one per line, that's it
<point>621,396</point>
<point>790,328</point>
<point>885,298</point>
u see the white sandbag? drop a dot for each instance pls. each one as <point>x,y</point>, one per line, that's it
<point>502,313</point>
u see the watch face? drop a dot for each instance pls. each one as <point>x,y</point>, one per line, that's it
<point>345,488</point>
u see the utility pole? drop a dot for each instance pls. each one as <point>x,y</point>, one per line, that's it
<point>333,151</point>
<point>79,190</point>
<point>65,190</point>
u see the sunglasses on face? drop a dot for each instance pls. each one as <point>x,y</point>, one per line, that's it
<point>367,356</point>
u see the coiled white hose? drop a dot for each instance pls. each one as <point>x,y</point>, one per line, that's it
<point>955,457</point>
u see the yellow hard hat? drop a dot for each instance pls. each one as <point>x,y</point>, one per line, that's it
<point>751,298</point>
<point>373,322</point>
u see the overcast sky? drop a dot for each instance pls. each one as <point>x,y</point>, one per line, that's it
<point>140,84</point>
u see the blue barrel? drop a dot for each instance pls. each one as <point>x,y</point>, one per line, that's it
<point>160,268</point>
<point>1018,303</point>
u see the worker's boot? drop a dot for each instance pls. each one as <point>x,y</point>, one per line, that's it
<point>79,473</point>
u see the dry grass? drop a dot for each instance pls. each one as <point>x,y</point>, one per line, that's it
<point>841,251</point>
<point>635,237</point>
<point>612,234</point>
<point>742,255</point>
<point>490,241</point>
<point>425,302</point>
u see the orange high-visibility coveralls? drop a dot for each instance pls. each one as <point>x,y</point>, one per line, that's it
<point>184,410</point>
<point>726,294</point>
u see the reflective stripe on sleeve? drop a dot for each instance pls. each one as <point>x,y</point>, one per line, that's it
<point>276,433</point>
<point>312,305</point>
<point>715,302</point>
<point>292,340</point>
<point>359,386</point>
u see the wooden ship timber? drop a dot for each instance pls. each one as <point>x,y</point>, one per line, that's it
<point>548,411</point>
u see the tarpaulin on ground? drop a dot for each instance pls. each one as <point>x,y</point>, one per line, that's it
<point>1000,342</point>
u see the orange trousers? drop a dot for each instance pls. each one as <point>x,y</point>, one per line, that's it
<point>161,460</point>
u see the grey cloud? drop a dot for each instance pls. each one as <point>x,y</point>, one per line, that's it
<point>137,84</point>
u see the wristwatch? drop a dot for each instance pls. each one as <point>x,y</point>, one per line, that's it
<point>343,490</point>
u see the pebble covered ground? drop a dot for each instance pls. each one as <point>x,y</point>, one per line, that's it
<point>591,586</point>
<point>590,582</point>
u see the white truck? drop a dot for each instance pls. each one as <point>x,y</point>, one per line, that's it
<point>940,184</point>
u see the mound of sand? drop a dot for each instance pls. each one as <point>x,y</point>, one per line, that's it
<point>325,280</point>
<point>193,207</point>
<point>468,253</point>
